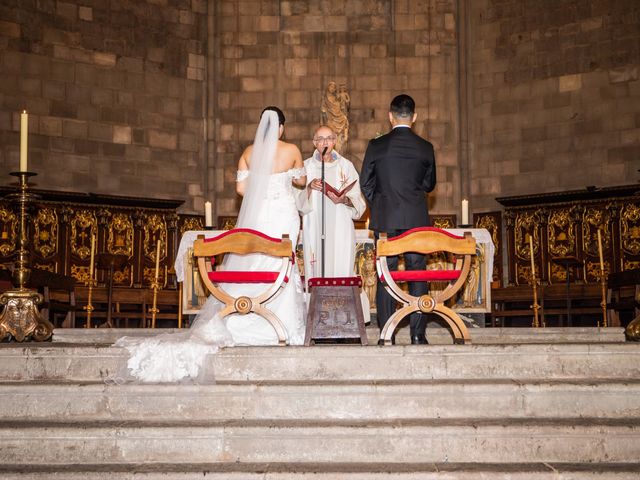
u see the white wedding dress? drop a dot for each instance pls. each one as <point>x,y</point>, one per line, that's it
<point>279,216</point>
<point>174,357</point>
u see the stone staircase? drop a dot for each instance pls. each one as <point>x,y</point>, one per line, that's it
<point>502,408</point>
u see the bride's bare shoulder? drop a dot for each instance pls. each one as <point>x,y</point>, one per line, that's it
<point>290,150</point>
<point>247,151</point>
<point>283,144</point>
<point>243,162</point>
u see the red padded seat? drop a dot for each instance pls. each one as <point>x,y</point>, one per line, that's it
<point>244,277</point>
<point>425,275</point>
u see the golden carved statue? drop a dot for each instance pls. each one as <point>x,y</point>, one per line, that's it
<point>470,295</point>
<point>335,112</point>
<point>369,276</point>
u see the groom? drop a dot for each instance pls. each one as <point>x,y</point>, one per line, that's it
<point>397,172</point>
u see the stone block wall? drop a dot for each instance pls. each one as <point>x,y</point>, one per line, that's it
<point>115,95</point>
<point>158,98</point>
<point>554,96</point>
<point>285,53</point>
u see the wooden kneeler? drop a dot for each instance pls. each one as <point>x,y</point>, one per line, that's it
<point>243,241</point>
<point>425,240</point>
<point>335,310</point>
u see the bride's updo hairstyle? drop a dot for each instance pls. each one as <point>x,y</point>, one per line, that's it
<point>281,118</point>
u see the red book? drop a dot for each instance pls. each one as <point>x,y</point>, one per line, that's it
<point>337,193</point>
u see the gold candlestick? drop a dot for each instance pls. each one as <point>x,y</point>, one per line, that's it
<point>90,283</point>
<point>89,308</point>
<point>603,283</point>
<point>534,285</point>
<point>155,285</point>
<point>20,318</point>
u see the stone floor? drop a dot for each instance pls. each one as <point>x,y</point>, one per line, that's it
<point>515,404</point>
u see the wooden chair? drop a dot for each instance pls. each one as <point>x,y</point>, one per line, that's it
<point>425,240</point>
<point>244,241</point>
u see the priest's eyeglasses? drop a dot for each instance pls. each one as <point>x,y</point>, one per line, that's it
<point>324,139</point>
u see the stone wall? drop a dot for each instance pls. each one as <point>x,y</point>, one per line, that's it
<point>115,94</point>
<point>158,98</point>
<point>554,96</point>
<point>285,53</point>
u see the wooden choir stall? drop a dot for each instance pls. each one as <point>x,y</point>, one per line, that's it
<point>562,228</point>
<point>126,231</point>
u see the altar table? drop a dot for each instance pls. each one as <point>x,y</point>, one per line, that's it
<point>475,297</point>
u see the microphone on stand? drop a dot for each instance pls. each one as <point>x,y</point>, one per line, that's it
<point>324,194</point>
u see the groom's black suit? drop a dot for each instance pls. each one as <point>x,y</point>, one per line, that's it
<point>398,169</point>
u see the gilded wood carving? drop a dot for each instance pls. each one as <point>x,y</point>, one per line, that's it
<point>595,218</point>
<point>45,232</point>
<point>560,231</point>
<point>155,229</point>
<point>526,226</point>
<point>630,229</point>
<point>84,226</point>
<point>192,223</point>
<point>443,221</point>
<point>120,238</point>
<point>8,231</point>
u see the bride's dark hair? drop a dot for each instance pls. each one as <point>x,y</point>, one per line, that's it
<point>281,118</point>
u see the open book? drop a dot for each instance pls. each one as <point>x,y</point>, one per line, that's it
<point>339,193</point>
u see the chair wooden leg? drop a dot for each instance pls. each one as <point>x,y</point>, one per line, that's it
<point>268,315</point>
<point>459,329</point>
<point>391,325</point>
<point>274,321</point>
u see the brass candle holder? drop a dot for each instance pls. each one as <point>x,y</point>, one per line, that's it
<point>535,306</point>
<point>603,301</point>
<point>89,308</point>
<point>20,318</point>
<point>534,284</point>
<point>603,281</point>
<point>155,286</point>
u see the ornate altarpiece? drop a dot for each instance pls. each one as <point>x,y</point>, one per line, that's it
<point>565,225</point>
<point>63,224</point>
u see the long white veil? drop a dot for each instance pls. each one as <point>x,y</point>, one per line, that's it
<point>260,167</point>
<point>255,194</point>
<point>180,356</point>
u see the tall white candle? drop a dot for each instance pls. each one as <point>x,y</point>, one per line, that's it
<point>93,252</point>
<point>24,133</point>
<point>208,217</point>
<point>465,212</point>
<point>157,259</point>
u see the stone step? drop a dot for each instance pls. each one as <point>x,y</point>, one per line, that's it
<point>436,336</point>
<point>232,443</point>
<point>436,399</point>
<point>334,471</point>
<point>342,363</point>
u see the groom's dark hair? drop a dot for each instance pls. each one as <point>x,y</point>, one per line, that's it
<point>402,106</point>
<point>281,118</point>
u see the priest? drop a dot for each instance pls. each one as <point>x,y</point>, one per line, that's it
<point>344,203</point>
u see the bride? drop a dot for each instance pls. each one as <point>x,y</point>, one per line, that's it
<point>267,173</point>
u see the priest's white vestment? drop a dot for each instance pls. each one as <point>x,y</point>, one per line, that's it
<point>340,238</point>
